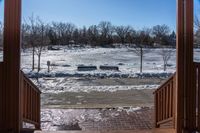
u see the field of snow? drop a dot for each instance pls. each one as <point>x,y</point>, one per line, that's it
<point>59,88</point>
<point>66,61</point>
<point>1,56</point>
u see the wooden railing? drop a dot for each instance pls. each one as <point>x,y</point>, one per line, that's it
<point>2,98</point>
<point>197,83</point>
<point>30,101</point>
<point>164,104</point>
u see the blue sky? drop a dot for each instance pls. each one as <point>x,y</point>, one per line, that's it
<point>137,13</point>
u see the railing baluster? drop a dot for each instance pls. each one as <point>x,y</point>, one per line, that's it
<point>164,103</point>
<point>167,101</point>
<point>161,99</point>
<point>171,99</point>
<point>35,108</point>
<point>29,102</point>
<point>159,110</point>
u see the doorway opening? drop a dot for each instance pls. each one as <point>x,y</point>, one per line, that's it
<point>97,73</point>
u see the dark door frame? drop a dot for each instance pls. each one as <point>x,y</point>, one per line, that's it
<point>10,109</point>
<point>185,90</point>
<point>10,91</point>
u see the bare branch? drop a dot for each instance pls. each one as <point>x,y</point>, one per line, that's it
<point>166,54</point>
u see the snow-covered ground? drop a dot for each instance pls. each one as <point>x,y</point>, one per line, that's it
<point>1,56</point>
<point>66,61</point>
<point>65,80</point>
<point>49,87</point>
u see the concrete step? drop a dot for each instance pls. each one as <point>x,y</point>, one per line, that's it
<point>124,131</point>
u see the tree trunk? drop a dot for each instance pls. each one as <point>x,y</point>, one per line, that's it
<point>122,40</point>
<point>39,56</point>
<point>165,66</point>
<point>33,58</point>
<point>141,59</point>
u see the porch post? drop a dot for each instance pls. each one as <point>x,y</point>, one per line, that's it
<point>12,64</point>
<point>186,101</point>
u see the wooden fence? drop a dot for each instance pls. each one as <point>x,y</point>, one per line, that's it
<point>30,101</point>
<point>164,104</point>
<point>2,98</point>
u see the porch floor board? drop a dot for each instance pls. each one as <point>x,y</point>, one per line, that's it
<point>122,131</point>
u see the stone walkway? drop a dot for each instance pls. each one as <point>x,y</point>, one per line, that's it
<point>98,119</point>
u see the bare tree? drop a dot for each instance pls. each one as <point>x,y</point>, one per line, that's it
<point>196,39</point>
<point>76,36</point>
<point>93,34</point>
<point>122,32</point>
<point>172,38</point>
<point>62,33</point>
<point>131,36</point>
<point>84,36</point>
<point>43,40</point>
<point>161,34</point>
<point>142,40</point>
<point>197,22</point>
<point>32,38</point>
<point>52,66</point>
<point>70,28</point>
<point>25,35</point>
<point>1,36</point>
<point>166,54</point>
<point>106,32</point>
<point>197,32</point>
<point>53,37</point>
<point>197,29</point>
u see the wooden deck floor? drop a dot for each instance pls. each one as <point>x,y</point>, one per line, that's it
<point>124,131</point>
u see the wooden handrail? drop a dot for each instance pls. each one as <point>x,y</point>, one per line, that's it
<point>165,83</point>
<point>30,101</point>
<point>164,103</point>
<point>30,82</point>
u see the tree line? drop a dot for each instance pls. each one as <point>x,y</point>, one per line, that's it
<point>37,34</point>
<point>1,36</point>
<point>60,33</point>
<point>197,32</point>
